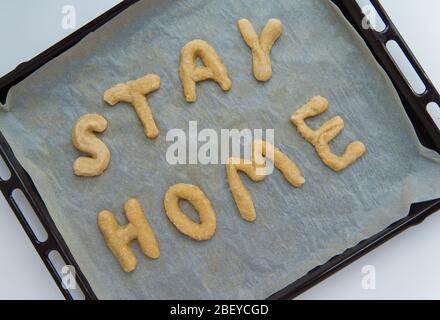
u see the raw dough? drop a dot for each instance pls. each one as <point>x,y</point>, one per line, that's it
<point>287,167</point>
<point>118,237</point>
<point>195,196</point>
<point>134,92</point>
<point>315,106</point>
<point>321,137</point>
<point>352,152</point>
<point>262,46</point>
<point>84,139</point>
<point>242,197</point>
<point>190,73</point>
<point>260,148</point>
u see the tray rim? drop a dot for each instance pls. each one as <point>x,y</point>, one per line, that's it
<point>423,124</point>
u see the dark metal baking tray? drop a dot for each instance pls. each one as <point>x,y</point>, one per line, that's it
<point>414,104</point>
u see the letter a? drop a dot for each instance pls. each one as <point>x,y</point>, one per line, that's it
<point>190,73</point>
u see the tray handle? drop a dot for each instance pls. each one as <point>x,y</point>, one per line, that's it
<point>19,179</point>
<point>416,104</point>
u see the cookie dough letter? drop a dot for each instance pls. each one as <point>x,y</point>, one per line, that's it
<point>118,237</point>
<point>262,46</point>
<point>260,148</point>
<point>321,137</point>
<point>190,73</point>
<point>195,196</point>
<point>242,197</point>
<point>134,92</point>
<point>84,139</point>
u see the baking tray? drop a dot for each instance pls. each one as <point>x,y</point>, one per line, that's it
<point>415,106</point>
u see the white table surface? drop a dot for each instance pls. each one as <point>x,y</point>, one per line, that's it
<point>406,267</point>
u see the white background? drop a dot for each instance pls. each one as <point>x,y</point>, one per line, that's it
<point>407,266</point>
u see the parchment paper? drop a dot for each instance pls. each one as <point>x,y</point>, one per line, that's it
<point>296,229</point>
